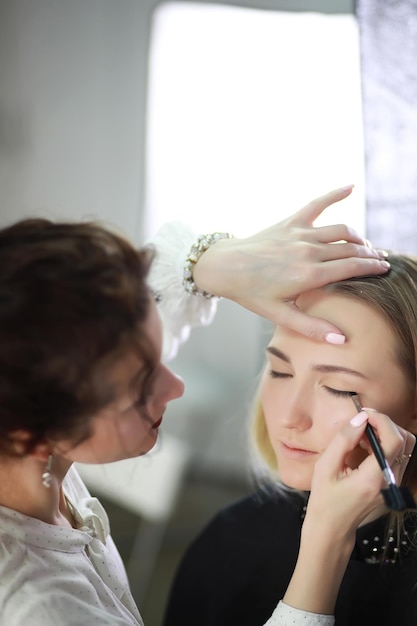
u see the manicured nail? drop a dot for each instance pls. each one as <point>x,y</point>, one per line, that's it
<point>346,187</point>
<point>359,419</point>
<point>386,264</point>
<point>335,338</point>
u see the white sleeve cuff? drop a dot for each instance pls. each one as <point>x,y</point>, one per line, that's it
<point>179,311</point>
<point>285,615</point>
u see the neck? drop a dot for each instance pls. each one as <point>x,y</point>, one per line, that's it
<point>21,489</point>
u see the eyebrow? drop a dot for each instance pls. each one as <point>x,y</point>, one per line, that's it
<point>318,367</point>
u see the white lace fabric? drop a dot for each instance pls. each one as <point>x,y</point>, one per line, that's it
<point>179,311</point>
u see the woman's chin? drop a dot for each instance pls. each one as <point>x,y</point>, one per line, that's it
<point>300,483</point>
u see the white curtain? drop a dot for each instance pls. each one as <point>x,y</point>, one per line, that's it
<point>388,41</point>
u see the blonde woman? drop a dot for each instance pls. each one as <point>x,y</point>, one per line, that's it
<point>309,439</point>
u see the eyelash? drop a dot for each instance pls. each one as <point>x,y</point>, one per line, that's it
<point>338,392</point>
<point>335,392</point>
<point>274,374</point>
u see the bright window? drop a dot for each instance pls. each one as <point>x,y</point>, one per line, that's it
<point>251,113</point>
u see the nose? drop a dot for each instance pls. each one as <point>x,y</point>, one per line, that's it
<point>172,385</point>
<point>296,411</point>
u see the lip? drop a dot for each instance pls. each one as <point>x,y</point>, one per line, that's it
<point>291,450</point>
<point>157,424</point>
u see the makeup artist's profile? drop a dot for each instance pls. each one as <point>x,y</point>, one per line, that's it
<point>303,411</point>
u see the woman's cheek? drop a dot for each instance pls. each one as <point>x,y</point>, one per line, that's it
<point>327,425</point>
<point>134,425</point>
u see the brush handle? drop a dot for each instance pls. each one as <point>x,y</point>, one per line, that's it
<point>375,445</point>
<point>377,450</point>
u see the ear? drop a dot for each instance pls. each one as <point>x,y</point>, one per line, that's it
<point>19,440</point>
<point>41,452</point>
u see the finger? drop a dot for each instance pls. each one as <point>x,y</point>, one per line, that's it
<point>396,441</point>
<point>345,440</point>
<point>341,233</point>
<point>337,232</point>
<point>308,214</point>
<point>410,443</point>
<point>382,253</point>
<point>367,478</point>
<point>341,269</point>
<point>401,461</point>
<point>315,328</point>
<point>351,250</point>
<point>391,436</point>
<point>331,251</point>
<point>346,238</point>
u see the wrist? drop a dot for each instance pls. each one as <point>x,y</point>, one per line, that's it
<point>321,536</point>
<point>194,285</point>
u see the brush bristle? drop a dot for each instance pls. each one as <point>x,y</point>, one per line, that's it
<point>398,498</point>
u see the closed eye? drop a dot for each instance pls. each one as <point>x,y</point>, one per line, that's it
<point>338,392</point>
<point>275,374</point>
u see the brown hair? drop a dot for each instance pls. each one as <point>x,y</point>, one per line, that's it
<point>73,299</point>
<point>394,296</point>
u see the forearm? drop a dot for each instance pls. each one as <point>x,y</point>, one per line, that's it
<point>264,273</point>
<point>321,564</point>
<point>311,595</point>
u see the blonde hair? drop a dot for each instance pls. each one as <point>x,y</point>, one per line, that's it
<point>394,296</point>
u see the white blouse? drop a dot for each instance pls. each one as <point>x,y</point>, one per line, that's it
<point>285,615</point>
<point>53,575</point>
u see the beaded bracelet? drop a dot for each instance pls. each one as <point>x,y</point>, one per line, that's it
<point>197,249</point>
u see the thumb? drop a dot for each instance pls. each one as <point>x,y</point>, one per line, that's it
<point>286,314</point>
<point>332,461</point>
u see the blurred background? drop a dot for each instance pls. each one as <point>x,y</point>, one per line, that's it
<point>228,116</point>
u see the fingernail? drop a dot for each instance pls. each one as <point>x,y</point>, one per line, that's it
<point>359,419</point>
<point>382,253</point>
<point>335,338</point>
<point>386,264</point>
<point>346,187</point>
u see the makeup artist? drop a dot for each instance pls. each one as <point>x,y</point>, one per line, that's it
<point>82,378</point>
<point>357,559</point>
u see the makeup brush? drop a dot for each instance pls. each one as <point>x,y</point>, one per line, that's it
<point>395,497</point>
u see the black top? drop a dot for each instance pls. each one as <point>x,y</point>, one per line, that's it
<point>239,567</point>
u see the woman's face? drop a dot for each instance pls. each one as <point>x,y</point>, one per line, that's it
<point>306,384</point>
<point>122,429</point>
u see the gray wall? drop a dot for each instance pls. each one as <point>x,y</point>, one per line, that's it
<point>73,77</point>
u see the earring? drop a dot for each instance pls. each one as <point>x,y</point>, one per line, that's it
<point>47,476</point>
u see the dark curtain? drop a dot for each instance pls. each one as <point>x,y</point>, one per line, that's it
<point>388,41</point>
